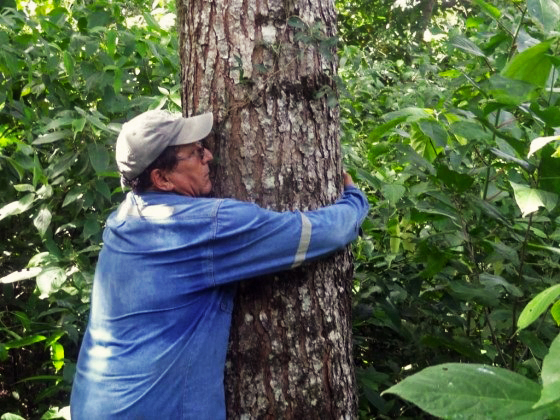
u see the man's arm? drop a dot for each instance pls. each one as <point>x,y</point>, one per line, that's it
<point>251,241</point>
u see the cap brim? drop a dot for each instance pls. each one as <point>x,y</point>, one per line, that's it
<point>193,129</point>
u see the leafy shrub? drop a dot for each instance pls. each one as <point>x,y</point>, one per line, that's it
<point>464,225</point>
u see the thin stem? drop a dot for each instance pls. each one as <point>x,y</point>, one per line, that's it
<point>512,48</point>
<point>487,179</point>
<point>494,338</point>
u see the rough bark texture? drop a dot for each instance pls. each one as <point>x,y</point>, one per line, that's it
<point>276,144</point>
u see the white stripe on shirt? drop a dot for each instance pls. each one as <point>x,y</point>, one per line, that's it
<point>304,240</point>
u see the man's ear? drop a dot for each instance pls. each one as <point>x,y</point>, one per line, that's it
<point>160,181</point>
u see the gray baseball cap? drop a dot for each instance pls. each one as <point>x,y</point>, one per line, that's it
<point>146,136</point>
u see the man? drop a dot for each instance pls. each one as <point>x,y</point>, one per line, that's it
<point>156,341</point>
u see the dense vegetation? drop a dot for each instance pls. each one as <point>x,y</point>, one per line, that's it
<point>449,116</point>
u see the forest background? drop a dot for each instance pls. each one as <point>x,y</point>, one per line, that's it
<point>449,117</point>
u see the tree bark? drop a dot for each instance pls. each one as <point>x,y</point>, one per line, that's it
<point>261,68</point>
<point>426,12</point>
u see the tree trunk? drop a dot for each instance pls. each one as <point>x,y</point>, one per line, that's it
<point>266,70</point>
<point>426,12</point>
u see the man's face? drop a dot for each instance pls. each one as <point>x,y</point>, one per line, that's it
<point>191,175</point>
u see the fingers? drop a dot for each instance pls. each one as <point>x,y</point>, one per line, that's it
<point>348,181</point>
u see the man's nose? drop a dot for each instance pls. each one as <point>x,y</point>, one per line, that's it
<point>208,156</point>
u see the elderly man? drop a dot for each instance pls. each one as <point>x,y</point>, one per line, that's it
<point>156,341</point>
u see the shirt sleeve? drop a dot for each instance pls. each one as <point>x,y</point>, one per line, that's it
<point>251,241</point>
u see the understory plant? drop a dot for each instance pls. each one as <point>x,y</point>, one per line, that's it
<point>457,147</point>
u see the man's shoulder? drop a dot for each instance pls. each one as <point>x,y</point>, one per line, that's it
<point>165,206</point>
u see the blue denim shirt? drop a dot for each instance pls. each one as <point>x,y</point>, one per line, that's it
<point>156,341</point>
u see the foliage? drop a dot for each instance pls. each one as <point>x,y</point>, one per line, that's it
<point>456,148</point>
<point>449,121</point>
<point>397,28</point>
<point>70,74</point>
<point>455,390</point>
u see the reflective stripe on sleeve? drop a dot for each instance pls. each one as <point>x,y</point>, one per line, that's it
<point>304,240</point>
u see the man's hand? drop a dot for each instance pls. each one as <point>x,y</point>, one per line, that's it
<point>348,181</point>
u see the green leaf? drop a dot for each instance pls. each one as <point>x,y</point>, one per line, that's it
<point>25,341</point>
<point>91,227</point>
<point>24,188</point>
<point>50,280</point>
<point>540,142</point>
<point>296,22</point>
<point>61,120</point>
<point>451,74</point>
<point>380,130</point>
<point>94,118</point>
<point>52,137</point>
<point>469,292</point>
<point>42,378</point>
<point>19,168</point>
<point>434,131</point>
<point>530,200</point>
<point>99,157</point>
<point>55,337</point>
<point>46,191</point>
<point>422,144</point>
<point>42,220</point>
<point>535,344</point>
<point>152,23</point>
<point>56,413</point>
<point>509,91</point>
<point>102,188</point>
<point>532,65</point>
<point>368,178</point>
<point>411,114</point>
<point>57,356</point>
<point>393,192</point>
<point>537,306</point>
<point>68,63</point>
<point>461,345</point>
<point>470,130</point>
<point>72,195</point>
<point>467,45</point>
<point>17,207</point>
<point>11,416</point>
<point>488,8</point>
<point>455,180</point>
<point>555,312</point>
<point>503,252</point>
<point>91,248</point>
<point>551,375</point>
<point>548,248</point>
<point>111,37</point>
<point>549,171</point>
<point>42,259</point>
<point>25,274</point>
<point>394,230</point>
<point>508,157</point>
<point>549,114</point>
<point>117,82</point>
<point>38,174</point>
<point>455,390</point>
<point>491,280</point>
<point>100,18</point>
<point>61,165</point>
<point>546,12</point>
<point>78,125</point>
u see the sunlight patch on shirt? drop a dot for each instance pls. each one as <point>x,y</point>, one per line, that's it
<point>157,211</point>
